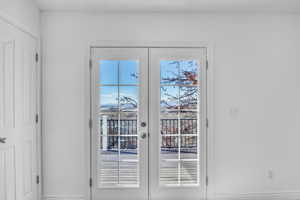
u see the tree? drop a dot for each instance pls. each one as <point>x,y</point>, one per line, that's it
<point>128,102</point>
<point>185,79</point>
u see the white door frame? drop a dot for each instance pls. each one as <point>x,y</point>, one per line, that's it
<point>210,158</point>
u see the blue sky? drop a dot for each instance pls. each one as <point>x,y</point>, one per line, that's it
<point>108,72</point>
<point>114,72</point>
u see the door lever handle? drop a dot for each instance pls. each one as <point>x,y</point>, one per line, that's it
<point>2,140</point>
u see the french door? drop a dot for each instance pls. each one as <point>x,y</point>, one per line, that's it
<point>148,139</point>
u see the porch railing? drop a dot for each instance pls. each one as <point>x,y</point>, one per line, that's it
<point>169,132</point>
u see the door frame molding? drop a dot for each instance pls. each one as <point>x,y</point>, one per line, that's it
<point>210,153</point>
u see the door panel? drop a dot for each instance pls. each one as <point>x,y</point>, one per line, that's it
<point>18,105</point>
<point>7,69</point>
<point>7,172</point>
<point>177,119</point>
<point>119,106</point>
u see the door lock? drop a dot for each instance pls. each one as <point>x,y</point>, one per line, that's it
<point>144,135</point>
<point>143,124</point>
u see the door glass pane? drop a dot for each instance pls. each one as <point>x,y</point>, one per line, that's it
<point>189,173</point>
<point>188,122</point>
<point>169,123</point>
<point>108,72</point>
<point>169,148</point>
<point>128,72</point>
<point>128,122</point>
<point>179,133</point>
<point>169,173</point>
<point>169,72</point>
<point>188,147</point>
<point>188,72</point>
<point>108,172</point>
<point>108,167</point>
<point>109,124</point>
<point>128,98</point>
<point>169,97</point>
<point>128,144</point>
<point>128,173</point>
<point>118,155</point>
<point>188,97</point>
<point>178,72</point>
<point>108,98</point>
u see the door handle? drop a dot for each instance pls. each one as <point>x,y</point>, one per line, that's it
<point>144,135</point>
<point>2,140</point>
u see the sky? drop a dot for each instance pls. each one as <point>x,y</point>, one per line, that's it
<point>114,72</point>
<point>118,72</point>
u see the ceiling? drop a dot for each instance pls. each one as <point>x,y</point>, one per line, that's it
<point>172,5</point>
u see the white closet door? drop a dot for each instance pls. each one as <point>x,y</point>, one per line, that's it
<point>8,141</point>
<point>18,106</point>
<point>177,123</point>
<point>120,123</point>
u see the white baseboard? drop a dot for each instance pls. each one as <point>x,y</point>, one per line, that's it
<point>219,196</point>
<point>63,197</point>
<point>258,196</point>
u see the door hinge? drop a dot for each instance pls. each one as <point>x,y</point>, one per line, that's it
<point>36,57</point>
<point>206,64</point>
<point>206,123</point>
<point>90,123</point>
<point>206,181</point>
<point>37,179</point>
<point>91,182</point>
<point>36,118</point>
<point>90,63</point>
